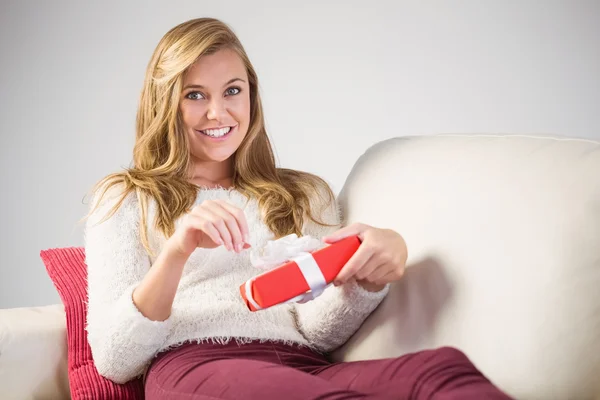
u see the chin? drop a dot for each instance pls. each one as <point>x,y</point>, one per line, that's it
<point>216,157</point>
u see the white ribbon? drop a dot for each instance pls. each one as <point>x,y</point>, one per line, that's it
<point>278,252</point>
<point>248,290</point>
<point>313,275</point>
<point>311,272</point>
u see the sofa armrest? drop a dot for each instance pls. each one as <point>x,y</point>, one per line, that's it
<point>33,353</point>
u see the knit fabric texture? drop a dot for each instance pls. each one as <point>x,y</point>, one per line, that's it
<point>208,305</point>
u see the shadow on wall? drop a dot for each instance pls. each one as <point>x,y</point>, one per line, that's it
<point>406,320</point>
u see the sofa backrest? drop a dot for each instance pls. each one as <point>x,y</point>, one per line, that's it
<point>503,234</point>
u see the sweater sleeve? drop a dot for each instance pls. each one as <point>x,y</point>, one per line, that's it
<point>122,340</point>
<point>331,319</point>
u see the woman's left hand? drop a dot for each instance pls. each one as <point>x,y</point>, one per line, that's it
<point>380,259</point>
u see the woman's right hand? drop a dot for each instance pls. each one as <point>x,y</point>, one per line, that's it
<point>211,224</point>
<point>208,225</point>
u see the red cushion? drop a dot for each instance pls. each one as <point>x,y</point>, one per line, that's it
<point>68,271</point>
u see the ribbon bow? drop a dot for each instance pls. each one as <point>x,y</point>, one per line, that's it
<point>286,249</point>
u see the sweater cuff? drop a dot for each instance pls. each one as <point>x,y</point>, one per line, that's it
<point>360,298</point>
<point>140,329</point>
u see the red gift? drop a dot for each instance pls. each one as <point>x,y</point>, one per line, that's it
<point>302,278</point>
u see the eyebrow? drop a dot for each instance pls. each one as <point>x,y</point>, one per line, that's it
<point>192,86</point>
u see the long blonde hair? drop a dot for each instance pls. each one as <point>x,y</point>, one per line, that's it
<point>161,156</point>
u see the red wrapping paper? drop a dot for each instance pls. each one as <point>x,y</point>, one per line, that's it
<point>287,281</point>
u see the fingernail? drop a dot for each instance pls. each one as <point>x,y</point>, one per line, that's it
<point>238,248</point>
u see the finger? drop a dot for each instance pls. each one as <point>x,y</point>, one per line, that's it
<point>240,218</point>
<point>390,277</point>
<point>206,227</point>
<point>347,231</point>
<point>356,262</point>
<point>378,273</point>
<point>208,212</point>
<point>231,223</point>
<point>374,265</point>
<point>219,223</point>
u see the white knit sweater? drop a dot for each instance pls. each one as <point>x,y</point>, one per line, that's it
<point>207,306</point>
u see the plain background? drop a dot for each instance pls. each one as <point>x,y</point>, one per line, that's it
<point>336,77</point>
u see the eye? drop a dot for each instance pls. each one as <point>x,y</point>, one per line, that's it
<point>232,91</point>
<point>194,96</point>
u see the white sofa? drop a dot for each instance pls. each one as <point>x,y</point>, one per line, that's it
<point>503,233</point>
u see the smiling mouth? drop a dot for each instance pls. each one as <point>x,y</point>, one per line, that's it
<point>217,133</point>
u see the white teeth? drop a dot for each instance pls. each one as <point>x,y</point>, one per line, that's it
<point>216,132</point>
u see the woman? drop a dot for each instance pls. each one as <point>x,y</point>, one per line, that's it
<point>166,245</point>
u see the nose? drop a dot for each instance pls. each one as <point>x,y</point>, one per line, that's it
<point>216,110</point>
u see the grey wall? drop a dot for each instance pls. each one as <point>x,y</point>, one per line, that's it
<point>335,80</point>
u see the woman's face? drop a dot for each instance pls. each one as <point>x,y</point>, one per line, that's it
<point>215,105</point>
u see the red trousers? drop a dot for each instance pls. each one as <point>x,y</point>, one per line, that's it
<point>271,371</point>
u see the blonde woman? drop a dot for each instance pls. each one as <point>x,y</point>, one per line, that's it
<point>167,240</point>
